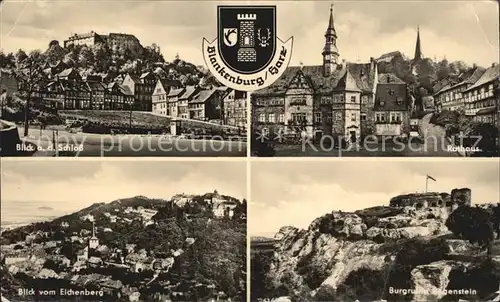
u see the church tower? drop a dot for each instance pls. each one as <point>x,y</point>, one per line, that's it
<point>330,52</point>
<point>93,241</point>
<point>418,50</point>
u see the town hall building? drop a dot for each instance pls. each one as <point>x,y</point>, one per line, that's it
<point>328,99</point>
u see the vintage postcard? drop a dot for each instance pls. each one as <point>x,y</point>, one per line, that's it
<point>107,78</point>
<point>139,231</point>
<point>383,78</point>
<point>422,230</point>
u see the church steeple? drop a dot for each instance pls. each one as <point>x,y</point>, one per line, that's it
<point>330,52</point>
<point>418,50</point>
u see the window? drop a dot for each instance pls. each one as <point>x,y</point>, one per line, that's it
<point>363,116</point>
<point>382,103</point>
<point>271,118</point>
<point>298,117</point>
<point>262,118</point>
<point>317,117</point>
<point>395,117</point>
<point>380,117</point>
<point>353,117</point>
<point>399,100</point>
<point>364,99</point>
<point>353,99</point>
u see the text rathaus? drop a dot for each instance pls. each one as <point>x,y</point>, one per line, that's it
<point>335,98</point>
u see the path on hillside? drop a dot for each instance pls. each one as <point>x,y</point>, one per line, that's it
<point>435,141</point>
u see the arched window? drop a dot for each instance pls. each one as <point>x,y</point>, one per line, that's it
<point>246,40</point>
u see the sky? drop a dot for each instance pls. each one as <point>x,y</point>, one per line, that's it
<point>459,30</point>
<point>75,184</point>
<point>287,193</point>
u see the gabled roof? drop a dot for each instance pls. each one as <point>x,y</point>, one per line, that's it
<point>189,92</point>
<point>391,97</point>
<point>389,78</point>
<point>203,96</point>
<point>126,90</point>
<point>361,74</point>
<point>175,92</point>
<point>134,78</point>
<point>490,75</point>
<point>171,83</point>
<point>146,74</point>
<point>469,77</point>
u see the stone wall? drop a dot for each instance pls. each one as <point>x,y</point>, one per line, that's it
<point>433,199</point>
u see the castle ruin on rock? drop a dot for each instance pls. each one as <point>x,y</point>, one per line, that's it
<point>451,200</point>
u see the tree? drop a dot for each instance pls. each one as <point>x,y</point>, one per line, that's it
<point>55,53</point>
<point>29,76</point>
<point>473,224</point>
<point>20,56</point>
<point>86,57</point>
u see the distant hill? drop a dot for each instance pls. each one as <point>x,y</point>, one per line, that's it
<point>219,244</point>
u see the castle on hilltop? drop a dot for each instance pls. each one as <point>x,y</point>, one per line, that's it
<point>451,201</point>
<point>115,41</point>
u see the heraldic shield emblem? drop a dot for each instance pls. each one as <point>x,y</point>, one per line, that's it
<point>247,53</point>
<point>247,37</point>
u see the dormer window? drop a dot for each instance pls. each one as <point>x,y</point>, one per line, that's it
<point>390,91</point>
<point>382,103</point>
<point>399,100</point>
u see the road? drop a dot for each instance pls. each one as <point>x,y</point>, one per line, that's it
<point>92,145</point>
<point>435,138</point>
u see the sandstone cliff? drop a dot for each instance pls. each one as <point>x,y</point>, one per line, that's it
<point>394,253</point>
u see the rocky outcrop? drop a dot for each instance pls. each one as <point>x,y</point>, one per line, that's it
<point>339,244</point>
<point>420,200</point>
<point>430,281</point>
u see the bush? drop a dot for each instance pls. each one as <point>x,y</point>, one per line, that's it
<point>364,285</point>
<point>313,274</point>
<point>484,279</point>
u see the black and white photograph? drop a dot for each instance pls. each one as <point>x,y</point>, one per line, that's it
<point>114,78</point>
<point>82,230</point>
<point>383,79</point>
<point>375,230</point>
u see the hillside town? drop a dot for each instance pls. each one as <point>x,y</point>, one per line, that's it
<point>114,72</point>
<point>391,96</point>
<point>135,249</point>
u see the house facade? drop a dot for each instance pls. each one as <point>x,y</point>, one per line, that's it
<point>314,101</point>
<point>235,108</point>
<point>185,99</point>
<point>451,97</point>
<point>392,110</point>
<point>482,98</point>
<point>206,105</point>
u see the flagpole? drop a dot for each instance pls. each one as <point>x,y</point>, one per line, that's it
<point>426,183</point>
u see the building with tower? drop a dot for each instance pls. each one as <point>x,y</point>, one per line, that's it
<point>318,100</point>
<point>93,241</point>
<point>246,38</point>
<point>418,54</point>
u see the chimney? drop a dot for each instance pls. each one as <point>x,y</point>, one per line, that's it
<point>372,59</point>
<point>344,64</point>
<point>493,64</point>
<point>474,65</point>
<point>388,78</point>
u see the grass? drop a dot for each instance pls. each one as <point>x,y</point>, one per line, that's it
<point>111,117</point>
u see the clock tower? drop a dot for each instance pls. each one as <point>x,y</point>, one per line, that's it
<point>330,52</point>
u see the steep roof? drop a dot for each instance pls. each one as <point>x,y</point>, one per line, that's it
<point>176,92</point>
<point>389,78</point>
<point>203,96</point>
<point>65,72</point>
<point>170,83</point>
<point>391,97</point>
<point>491,74</point>
<point>134,78</point>
<point>189,92</point>
<point>387,57</point>
<point>361,74</point>
<point>469,77</point>
<point>126,90</point>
